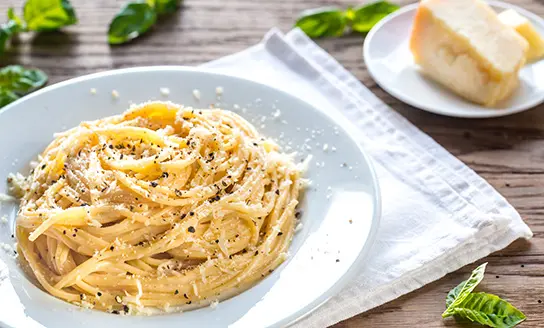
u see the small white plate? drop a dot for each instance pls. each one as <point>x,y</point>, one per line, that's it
<point>389,60</point>
<point>340,210</point>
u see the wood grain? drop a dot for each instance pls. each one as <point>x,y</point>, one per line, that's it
<point>508,152</point>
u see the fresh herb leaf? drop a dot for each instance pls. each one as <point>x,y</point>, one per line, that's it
<point>454,293</point>
<point>7,96</point>
<point>21,80</point>
<point>167,6</point>
<point>483,308</point>
<point>490,310</point>
<point>468,286</point>
<point>132,21</point>
<point>48,15</point>
<point>16,19</point>
<point>365,17</point>
<point>17,81</point>
<point>7,30</point>
<point>322,22</point>
<point>333,21</point>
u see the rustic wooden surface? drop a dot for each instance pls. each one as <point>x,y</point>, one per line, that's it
<point>508,152</point>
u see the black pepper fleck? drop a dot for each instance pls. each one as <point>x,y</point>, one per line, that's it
<point>153,184</point>
<point>191,213</point>
<point>111,248</point>
<point>99,294</point>
<point>185,295</point>
<point>176,292</point>
<point>280,233</point>
<point>337,260</point>
<point>191,229</point>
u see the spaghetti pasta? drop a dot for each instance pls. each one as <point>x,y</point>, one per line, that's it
<point>160,206</point>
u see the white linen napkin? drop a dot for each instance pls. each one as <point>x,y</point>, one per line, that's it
<point>438,215</point>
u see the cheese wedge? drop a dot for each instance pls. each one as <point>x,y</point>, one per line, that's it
<point>522,25</point>
<point>463,45</point>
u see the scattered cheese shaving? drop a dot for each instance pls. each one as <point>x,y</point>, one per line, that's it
<point>196,94</point>
<point>165,91</point>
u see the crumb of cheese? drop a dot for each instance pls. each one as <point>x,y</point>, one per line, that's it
<point>165,91</point>
<point>196,94</point>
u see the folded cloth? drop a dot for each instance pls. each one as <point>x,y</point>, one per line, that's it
<point>438,215</point>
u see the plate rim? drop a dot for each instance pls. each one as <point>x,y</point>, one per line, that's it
<point>361,258</point>
<point>486,112</point>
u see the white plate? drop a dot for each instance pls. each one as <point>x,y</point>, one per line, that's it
<point>338,222</point>
<point>389,60</point>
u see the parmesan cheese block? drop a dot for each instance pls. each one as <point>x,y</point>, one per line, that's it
<point>522,25</point>
<point>463,45</point>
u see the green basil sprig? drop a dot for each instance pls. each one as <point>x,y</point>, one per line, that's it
<point>486,309</point>
<point>17,81</point>
<point>48,15</point>
<point>137,17</point>
<point>39,15</point>
<point>332,21</point>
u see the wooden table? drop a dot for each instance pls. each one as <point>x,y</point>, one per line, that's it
<point>508,152</point>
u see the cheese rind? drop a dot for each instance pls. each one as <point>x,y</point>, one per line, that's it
<point>463,45</point>
<point>522,25</point>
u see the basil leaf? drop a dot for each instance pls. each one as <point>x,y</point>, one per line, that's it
<point>7,96</point>
<point>7,30</point>
<point>468,286</point>
<point>16,19</point>
<point>48,15</point>
<point>365,17</point>
<point>132,21</point>
<point>488,309</point>
<point>322,22</point>
<point>454,293</point>
<point>167,6</point>
<point>16,81</point>
<point>21,80</point>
